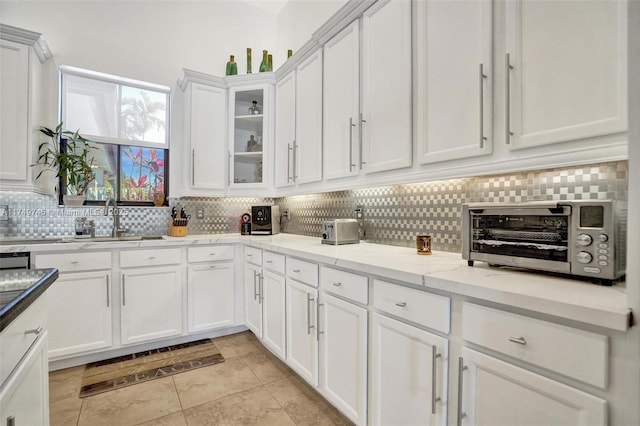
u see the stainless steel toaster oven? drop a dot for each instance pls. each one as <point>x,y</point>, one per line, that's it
<point>578,237</point>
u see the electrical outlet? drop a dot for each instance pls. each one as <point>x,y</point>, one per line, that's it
<point>359,212</point>
<point>200,213</point>
<point>286,214</point>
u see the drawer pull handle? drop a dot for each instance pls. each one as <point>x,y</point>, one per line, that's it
<point>518,340</point>
<point>151,257</point>
<point>212,266</point>
<point>212,254</point>
<point>35,331</point>
<point>74,262</point>
<point>249,255</point>
<point>269,261</point>
<point>296,271</point>
<point>401,304</point>
<point>337,284</point>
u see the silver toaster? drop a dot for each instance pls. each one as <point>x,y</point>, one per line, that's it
<point>340,231</point>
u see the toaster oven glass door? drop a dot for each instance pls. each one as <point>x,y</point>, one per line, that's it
<point>542,237</point>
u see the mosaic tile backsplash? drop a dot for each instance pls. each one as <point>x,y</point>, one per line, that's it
<point>394,214</point>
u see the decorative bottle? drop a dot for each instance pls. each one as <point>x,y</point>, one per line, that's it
<point>248,60</point>
<point>232,67</point>
<point>254,109</point>
<point>269,62</point>
<point>289,53</point>
<point>263,64</point>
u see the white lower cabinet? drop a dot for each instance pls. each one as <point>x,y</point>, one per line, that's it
<point>497,393</point>
<point>210,295</point>
<point>302,342</point>
<point>24,398</point>
<point>253,298</point>
<point>273,309</point>
<point>151,301</point>
<point>79,313</point>
<point>343,356</point>
<point>408,374</point>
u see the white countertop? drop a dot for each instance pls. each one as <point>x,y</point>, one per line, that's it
<point>562,297</point>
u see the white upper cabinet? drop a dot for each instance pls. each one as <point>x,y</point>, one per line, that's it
<point>453,81</point>
<point>308,146</point>
<point>285,130</point>
<point>205,121</point>
<point>566,71</point>
<point>386,96</point>
<point>341,103</point>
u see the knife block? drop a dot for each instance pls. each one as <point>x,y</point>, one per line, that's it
<point>177,231</point>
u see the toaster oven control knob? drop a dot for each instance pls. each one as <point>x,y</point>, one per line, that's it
<point>603,238</point>
<point>324,236</point>
<point>584,257</point>
<point>584,240</point>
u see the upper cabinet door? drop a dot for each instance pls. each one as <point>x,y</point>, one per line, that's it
<point>386,87</point>
<point>566,71</point>
<point>206,118</point>
<point>308,147</point>
<point>285,130</point>
<point>454,74</point>
<point>341,98</point>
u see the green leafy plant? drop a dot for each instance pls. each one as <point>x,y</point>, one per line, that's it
<point>67,155</point>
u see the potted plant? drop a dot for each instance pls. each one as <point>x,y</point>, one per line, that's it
<point>67,155</point>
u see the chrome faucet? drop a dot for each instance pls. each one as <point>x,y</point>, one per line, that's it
<point>116,231</point>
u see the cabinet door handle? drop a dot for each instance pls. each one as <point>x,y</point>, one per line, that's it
<point>401,304</point>
<point>289,154</point>
<point>309,326</point>
<point>362,121</point>
<point>229,167</point>
<point>461,369</point>
<point>507,92</point>
<point>434,398</point>
<point>261,287</point>
<point>351,126</point>
<point>256,292</point>
<point>295,160</point>
<point>193,167</point>
<point>123,291</point>
<point>482,78</point>
<point>519,340</point>
<point>11,421</point>
<point>108,292</point>
<point>35,331</point>
<point>318,322</point>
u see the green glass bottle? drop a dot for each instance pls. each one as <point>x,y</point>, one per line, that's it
<point>232,67</point>
<point>269,63</point>
<point>289,53</point>
<point>248,60</point>
<point>263,64</point>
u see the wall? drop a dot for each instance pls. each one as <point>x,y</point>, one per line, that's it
<point>147,40</point>
<point>394,214</point>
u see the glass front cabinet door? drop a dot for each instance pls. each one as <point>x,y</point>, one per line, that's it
<point>250,135</point>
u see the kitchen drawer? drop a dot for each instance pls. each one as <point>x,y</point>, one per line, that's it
<point>253,255</point>
<point>155,257</point>
<point>574,353</point>
<point>420,307</point>
<point>273,262</point>
<point>302,271</point>
<point>76,261</point>
<point>346,284</point>
<point>209,253</point>
<point>17,337</point>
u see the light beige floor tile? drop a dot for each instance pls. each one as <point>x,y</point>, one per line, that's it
<point>65,383</point>
<point>237,345</point>
<point>253,407</point>
<point>175,419</point>
<point>65,412</point>
<point>329,410</point>
<point>266,368</point>
<point>131,405</point>
<point>210,383</point>
<point>302,409</point>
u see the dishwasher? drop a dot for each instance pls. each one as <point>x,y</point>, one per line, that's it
<point>15,260</point>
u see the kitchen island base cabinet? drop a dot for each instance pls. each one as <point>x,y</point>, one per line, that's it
<point>86,324</point>
<point>408,374</point>
<point>25,395</point>
<point>151,304</point>
<point>302,343</point>
<point>210,292</point>
<point>343,356</point>
<point>497,393</point>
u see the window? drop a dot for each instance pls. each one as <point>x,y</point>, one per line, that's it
<point>127,123</point>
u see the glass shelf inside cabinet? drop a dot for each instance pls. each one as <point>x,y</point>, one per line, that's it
<point>248,136</point>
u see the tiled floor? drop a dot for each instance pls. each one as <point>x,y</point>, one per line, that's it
<point>252,387</point>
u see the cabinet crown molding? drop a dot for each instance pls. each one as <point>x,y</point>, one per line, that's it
<point>190,76</point>
<point>29,38</point>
